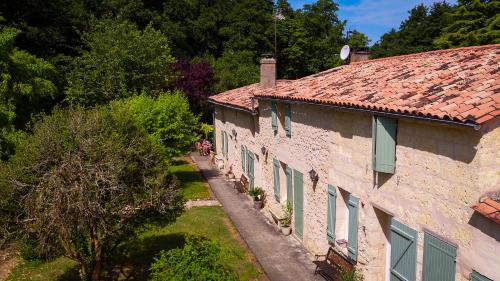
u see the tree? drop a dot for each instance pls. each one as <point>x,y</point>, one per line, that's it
<point>416,33</point>
<point>309,39</point>
<point>196,80</point>
<point>121,61</point>
<point>167,118</point>
<point>235,69</point>
<point>83,180</point>
<point>27,87</point>
<point>358,40</point>
<point>473,22</point>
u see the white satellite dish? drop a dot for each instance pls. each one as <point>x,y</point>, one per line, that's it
<point>344,53</point>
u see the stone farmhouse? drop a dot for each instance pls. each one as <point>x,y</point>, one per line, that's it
<point>393,162</point>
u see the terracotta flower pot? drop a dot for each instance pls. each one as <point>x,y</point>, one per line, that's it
<point>257,204</point>
<point>286,230</point>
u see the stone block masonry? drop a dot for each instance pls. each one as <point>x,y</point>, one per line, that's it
<point>440,172</point>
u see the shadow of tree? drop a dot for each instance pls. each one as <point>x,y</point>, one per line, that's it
<point>131,260</point>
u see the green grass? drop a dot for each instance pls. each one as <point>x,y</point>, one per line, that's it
<point>192,184</point>
<point>134,257</point>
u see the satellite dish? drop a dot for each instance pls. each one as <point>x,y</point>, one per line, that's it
<point>344,53</point>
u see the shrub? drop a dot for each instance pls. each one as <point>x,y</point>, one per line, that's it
<point>83,180</point>
<point>167,118</point>
<point>199,260</point>
<point>350,275</point>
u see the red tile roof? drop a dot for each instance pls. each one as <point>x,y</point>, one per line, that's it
<point>241,98</point>
<point>460,85</point>
<point>489,208</point>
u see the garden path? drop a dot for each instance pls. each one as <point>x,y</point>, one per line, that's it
<point>283,258</point>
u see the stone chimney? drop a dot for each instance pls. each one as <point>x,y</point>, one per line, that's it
<point>267,72</point>
<point>359,54</point>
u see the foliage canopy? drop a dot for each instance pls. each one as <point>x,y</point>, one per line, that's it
<point>82,181</point>
<point>121,61</point>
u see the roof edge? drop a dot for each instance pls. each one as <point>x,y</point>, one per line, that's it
<point>252,112</point>
<point>377,112</point>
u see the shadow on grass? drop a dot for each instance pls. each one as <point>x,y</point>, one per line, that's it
<point>71,274</point>
<point>133,259</point>
<point>177,162</point>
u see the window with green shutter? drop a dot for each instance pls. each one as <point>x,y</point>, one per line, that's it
<point>330,228</point>
<point>288,121</point>
<point>403,264</point>
<point>439,259</point>
<point>475,276</point>
<point>274,116</point>
<point>276,181</point>
<point>250,172</point>
<point>384,144</point>
<point>289,185</point>
<point>352,237</point>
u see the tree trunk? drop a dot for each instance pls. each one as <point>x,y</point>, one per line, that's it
<point>96,253</point>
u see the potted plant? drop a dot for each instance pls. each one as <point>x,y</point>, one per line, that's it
<point>286,221</point>
<point>258,195</point>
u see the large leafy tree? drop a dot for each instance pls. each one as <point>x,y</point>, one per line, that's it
<point>83,180</point>
<point>309,39</point>
<point>27,87</point>
<point>416,33</point>
<point>473,22</point>
<point>121,61</point>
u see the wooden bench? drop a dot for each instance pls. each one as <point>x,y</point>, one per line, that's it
<point>332,265</point>
<point>242,184</point>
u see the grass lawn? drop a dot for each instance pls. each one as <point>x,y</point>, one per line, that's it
<point>192,184</point>
<point>134,256</point>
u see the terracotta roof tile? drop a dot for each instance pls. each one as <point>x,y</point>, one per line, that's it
<point>489,208</point>
<point>461,85</point>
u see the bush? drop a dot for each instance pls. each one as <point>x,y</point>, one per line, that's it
<point>199,260</point>
<point>83,181</point>
<point>167,118</point>
<point>350,275</point>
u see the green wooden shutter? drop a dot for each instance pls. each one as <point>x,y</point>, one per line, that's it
<point>352,239</point>
<point>288,121</point>
<point>276,173</point>
<point>243,156</point>
<point>251,179</point>
<point>289,186</point>
<point>274,116</point>
<point>330,229</point>
<point>385,144</point>
<point>439,259</point>
<point>475,276</point>
<point>298,204</point>
<point>403,252</point>
<point>223,148</point>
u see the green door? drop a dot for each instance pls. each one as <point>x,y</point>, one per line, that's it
<point>298,203</point>
<point>403,252</point>
<point>251,178</point>
<point>439,259</point>
<point>289,189</point>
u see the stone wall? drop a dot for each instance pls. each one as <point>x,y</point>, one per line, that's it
<point>440,172</point>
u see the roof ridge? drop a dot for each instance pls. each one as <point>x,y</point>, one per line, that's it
<point>432,52</point>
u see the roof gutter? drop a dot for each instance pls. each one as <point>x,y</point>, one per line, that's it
<point>375,112</point>
<point>252,112</point>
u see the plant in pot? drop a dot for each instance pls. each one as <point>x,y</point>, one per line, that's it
<point>286,221</point>
<point>258,196</point>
